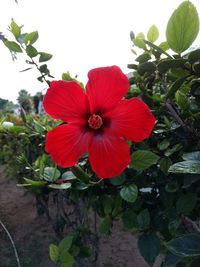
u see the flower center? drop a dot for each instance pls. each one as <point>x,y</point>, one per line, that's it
<point>95,121</point>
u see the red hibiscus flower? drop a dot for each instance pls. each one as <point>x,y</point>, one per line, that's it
<point>98,121</point>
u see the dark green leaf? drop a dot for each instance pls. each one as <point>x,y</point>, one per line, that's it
<point>153,34</point>
<point>143,159</point>
<point>44,57</point>
<point>129,218</point>
<point>118,180</point>
<point>13,46</point>
<point>189,166</point>
<point>129,193</point>
<point>158,48</point>
<point>175,86</point>
<point>172,187</point>
<point>185,246</point>
<point>183,27</point>
<point>186,203</point>
<point>31,51</point>
<point>54,253</point>
<point>163,144</point>
<point>165,163</point>
<point>171,260</point>
<point>146,67</point>
<point>143,219</point>
<point>172,150</point>
<point>194,56</point>
<point>105,225</point>
<point>167,64</point>
<point>143,58</point>
<point>31,38</point>
<point>149,247</point>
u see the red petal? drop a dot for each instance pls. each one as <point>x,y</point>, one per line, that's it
<point>132,119</point>
<point>66,101</point>
<point>66,144</point>
<point>105,88</point>
<point>109,155</point>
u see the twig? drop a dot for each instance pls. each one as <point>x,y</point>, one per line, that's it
<point>189,224</point>
<point>12,242</point>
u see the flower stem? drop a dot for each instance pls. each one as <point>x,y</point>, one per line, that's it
<point>12,242</point>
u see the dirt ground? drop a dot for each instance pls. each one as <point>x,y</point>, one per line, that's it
<point>32,234</point>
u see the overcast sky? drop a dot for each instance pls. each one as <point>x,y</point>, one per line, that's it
<point>81,35</point>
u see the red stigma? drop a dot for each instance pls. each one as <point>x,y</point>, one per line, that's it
<point>95,121</point>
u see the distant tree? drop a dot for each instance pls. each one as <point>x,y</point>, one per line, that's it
<point>25,100</point>
<point>7,106</point>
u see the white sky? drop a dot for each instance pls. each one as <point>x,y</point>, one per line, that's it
<point>81,35</point>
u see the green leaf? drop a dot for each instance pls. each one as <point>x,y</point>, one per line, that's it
<point>54,253</point>
<point>192,156</point>
<point>194,56</point>
<point>149,247</point>
<point>129,193</point>
<point>68,175</point>
<point>143,58</point>
<point>105,225</point>
<point>186,203</point>
<point>189,166</point>
<point>31,38</point>
<point>158,48</point>
<point>175,86</point>
<point>139,43</point>
<point>63,186</point>
<point>182,100</point>
<point>167,64</point>
<point>163,144</point>
<point>51,174</point>
<point>153,34</point>
<point>165,163</point>
<point>31,51</point>
<point>44,57</point>
<point>182,27</point>
<point>66,259</point>
<point>143,219</point>
<point>172,150</point>
<point>146,67</point>
<point>143,159</point>
<point>118,180</point>
<point>185,246</point>
<point>13,46</point>
<point>172,187</point>
<point>164,46</point>
<point>171,260</point>
<point>66,243</point>
<point>15,29</point>
<point>34,183</point>
<point>129,218</point>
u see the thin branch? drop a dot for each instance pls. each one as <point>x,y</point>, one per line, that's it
<point>12,242</point>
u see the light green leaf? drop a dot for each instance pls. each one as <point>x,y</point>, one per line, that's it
<point>182,27</point>
<point>153,34</point>
<point>63,186</point>
<point>66,259</point>
<point>189,166</point>
<point>51,174</point>
<point>192,156</point>
<point>143,159</point>
<point>54,253</point>
<point>185,246</point>
<point>34,183</point>
<point>129,193</point>
<point>15,29</point>
<point>13,46</point>
<point>66,243</point>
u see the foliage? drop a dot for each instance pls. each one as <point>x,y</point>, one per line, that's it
<point>158,194</point>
